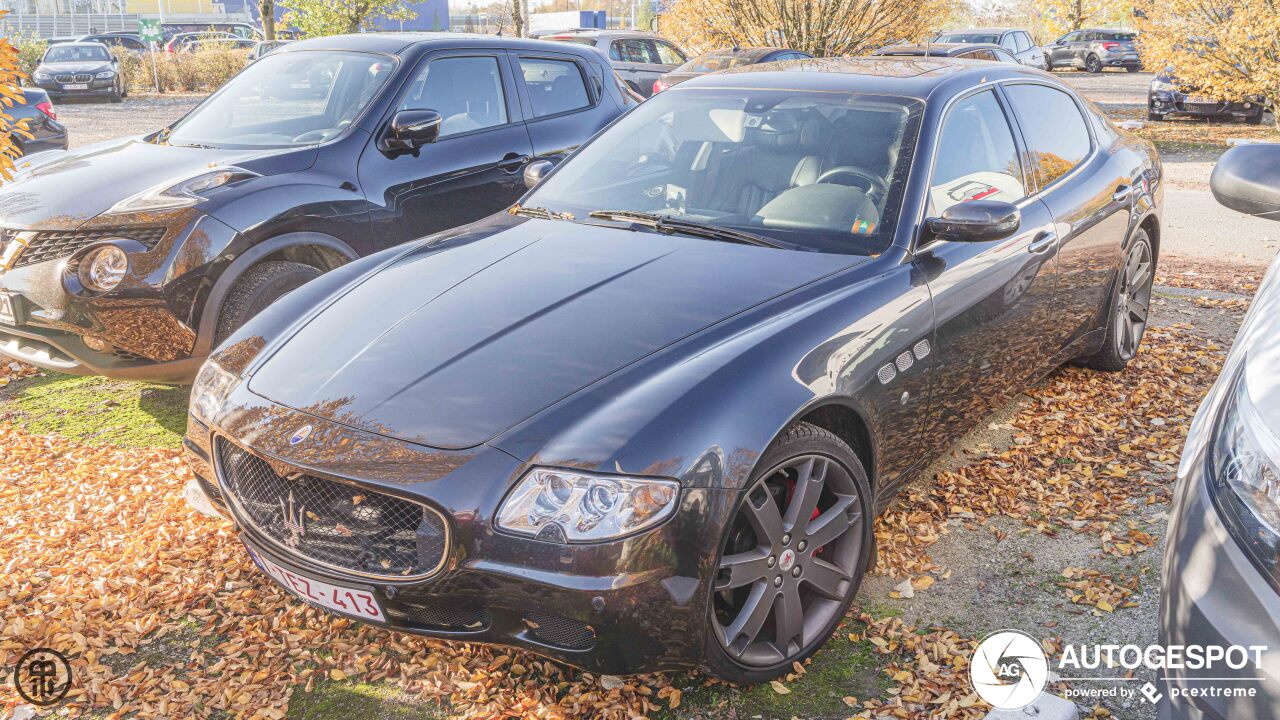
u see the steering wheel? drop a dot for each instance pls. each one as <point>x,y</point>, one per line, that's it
<point>875,183</point>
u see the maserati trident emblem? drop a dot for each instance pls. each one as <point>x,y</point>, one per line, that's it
<point>300,434</point>
<point>787,559</point>
<point>295,522</point>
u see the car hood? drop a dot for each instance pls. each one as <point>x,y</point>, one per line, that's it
<point>64,191</point>
<point>80,66</point>
<point>449,348</point>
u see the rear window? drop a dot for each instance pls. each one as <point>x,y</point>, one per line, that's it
<point>1122,37</point>
<point>555,86</point>
<point>714,62</point>
<point>969,38</point>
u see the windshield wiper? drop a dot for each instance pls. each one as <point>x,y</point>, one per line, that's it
<point>541,213</point>
<point>669,225</point>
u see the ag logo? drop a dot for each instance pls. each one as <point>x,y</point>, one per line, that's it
<point>1009,670</point>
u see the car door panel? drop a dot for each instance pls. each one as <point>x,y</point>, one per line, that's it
<point>467,173</point>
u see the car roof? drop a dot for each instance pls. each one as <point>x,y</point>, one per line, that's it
<point>401,42</point>
<point>976,30</point>
<point>598,32</point>
<point>751,52</point>
<point>83,43</point>
<point>909,76</point>
<point>936,49</point>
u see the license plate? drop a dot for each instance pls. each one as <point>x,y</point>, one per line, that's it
<point>6,310</point>
<point>76,86</point>
<point>1201,100</point>
<point>345,600</point>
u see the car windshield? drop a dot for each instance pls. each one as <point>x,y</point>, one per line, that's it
<point>77,53</point>
<point>970,38</point>
<point>819,170</point>
<point>712,62</point>
<point>286,99</point>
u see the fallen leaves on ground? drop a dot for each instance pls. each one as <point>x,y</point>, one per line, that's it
<point>1104,591</point>
<point>929,669</point>
<point>10,371</point>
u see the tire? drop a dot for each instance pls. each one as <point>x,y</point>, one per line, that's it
<point>1120,343</point>
<point>1256,118</point>
<point>260,286</point>
<point>1092,64</point>
<point>1132,68</point>
<point>775,574</point>
<point>1048,64</point>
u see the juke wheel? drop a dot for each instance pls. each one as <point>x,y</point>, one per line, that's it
<point>1130,303</point>
<point>260,286</point>
<point>792,557</point>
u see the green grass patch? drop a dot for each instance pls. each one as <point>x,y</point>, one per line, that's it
<point>98,410</point>
<point>842,668</point>
<point>353,700</point>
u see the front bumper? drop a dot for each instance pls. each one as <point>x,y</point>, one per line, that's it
<point>1211,594</point>
<point>632,605</point>
<point>1167,103</point>
<point>143,330</point>
<point>96,88</point>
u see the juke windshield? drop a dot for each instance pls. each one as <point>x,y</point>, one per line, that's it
<point>819,171</point>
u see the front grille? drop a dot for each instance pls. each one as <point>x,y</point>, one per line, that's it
<point>335,524</point>
<point>560,631</point>
<point>77,78</point>
<point>47,245</point>
<point>439,617</point>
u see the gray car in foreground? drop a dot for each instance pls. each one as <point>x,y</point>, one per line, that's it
<point>1221,584</point>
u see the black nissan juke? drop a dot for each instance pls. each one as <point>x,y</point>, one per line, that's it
<point>645,418</point>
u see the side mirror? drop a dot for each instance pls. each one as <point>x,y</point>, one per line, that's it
<point>976,221</point>
<point>411,129</point>
<point>1247,179</point>
<point>534,172</point>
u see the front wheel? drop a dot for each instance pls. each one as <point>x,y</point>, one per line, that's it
<point>260,286</point>
<point>791,559</point>
<point>1048,64</point>
<point>1132,68</point>
<point>1256,118</point>
<point>1092,64</point>
<point>1130,303</point>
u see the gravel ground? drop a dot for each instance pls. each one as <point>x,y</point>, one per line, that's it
<point>91,122</point>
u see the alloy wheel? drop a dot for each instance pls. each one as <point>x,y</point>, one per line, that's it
<point>787,569</point>
<point>1133,299</point>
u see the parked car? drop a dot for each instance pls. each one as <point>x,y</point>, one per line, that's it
<point>42,122</point>
<point>132,258</point>
<point>965,51</point>
<point>1095,50</point>
<point>724,59</point>
<point>645,419</point>
<point>639,57</point>
<point>1015,41</point>
<point>266,46</point>
<point>80,70</point>
<point>192,41</point>
<point>243,30</point>
<point>1221,585</point>
<point>1167,97</point>
<point>128,41</point>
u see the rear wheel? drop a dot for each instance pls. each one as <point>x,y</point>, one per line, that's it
<point>792,558</point>
<point>1092,64</point>
<point>260,286</point>
<point>1130,302</point>
<point>1132,68</point>
<point>1256,118</point>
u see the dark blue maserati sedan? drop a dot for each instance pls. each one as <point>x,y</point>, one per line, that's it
<point>645,418</point>
<point>134,257</point>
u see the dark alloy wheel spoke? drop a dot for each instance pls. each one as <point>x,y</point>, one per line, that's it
<point>826,579</point>
<point>834,522</point>
<point>743,569</point>
<point>811,476</point>
<point>1134,299</point>
<point>764,518</point>
<point>755,611</point>
<point>788,618</point>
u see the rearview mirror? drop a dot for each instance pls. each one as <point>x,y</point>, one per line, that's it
<point>534,172</point>
<point>976,221</point>
<point>1247,179</point>
<point>411,129</point>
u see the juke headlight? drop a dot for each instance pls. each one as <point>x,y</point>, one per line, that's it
<point>570,506</point>
<point>212,386</point>
<point>184,192</point>
<point>1244,477</point>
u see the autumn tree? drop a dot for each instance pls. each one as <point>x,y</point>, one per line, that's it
<point>267,11</point>
<point>10,94</point>
<point>819,27</point>
<point>317,18</point>
<point>1222,48</point>
<point>1062,16</point>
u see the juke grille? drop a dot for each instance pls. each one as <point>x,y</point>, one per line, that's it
<point>338,525</point>
<point>54,244</point>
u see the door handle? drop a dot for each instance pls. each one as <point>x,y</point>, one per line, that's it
<point>1123,193</point>
<point>511,162</point>
<point>1043,243</point>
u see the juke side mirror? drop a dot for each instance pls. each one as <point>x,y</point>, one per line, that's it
<point>411,129</point>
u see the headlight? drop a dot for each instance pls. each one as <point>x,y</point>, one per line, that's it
<point>563,506</point>
<point>40,77</point>
<point>187,191</point>
<point>102,269</point>
<point>211,388</point>
<point>1163,86</point>
<point>105,74</point>
<point>1244,478</point>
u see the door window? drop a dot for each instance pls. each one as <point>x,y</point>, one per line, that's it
<point>466,91</point>
<point>1056,134</point>
<point>977,158</point>
<point>632,50</point>
<point>667,53</point>
<point>555,86</point>
<point>1023,42</point>
<point>1069,38</point>
<point>1008,43</point>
